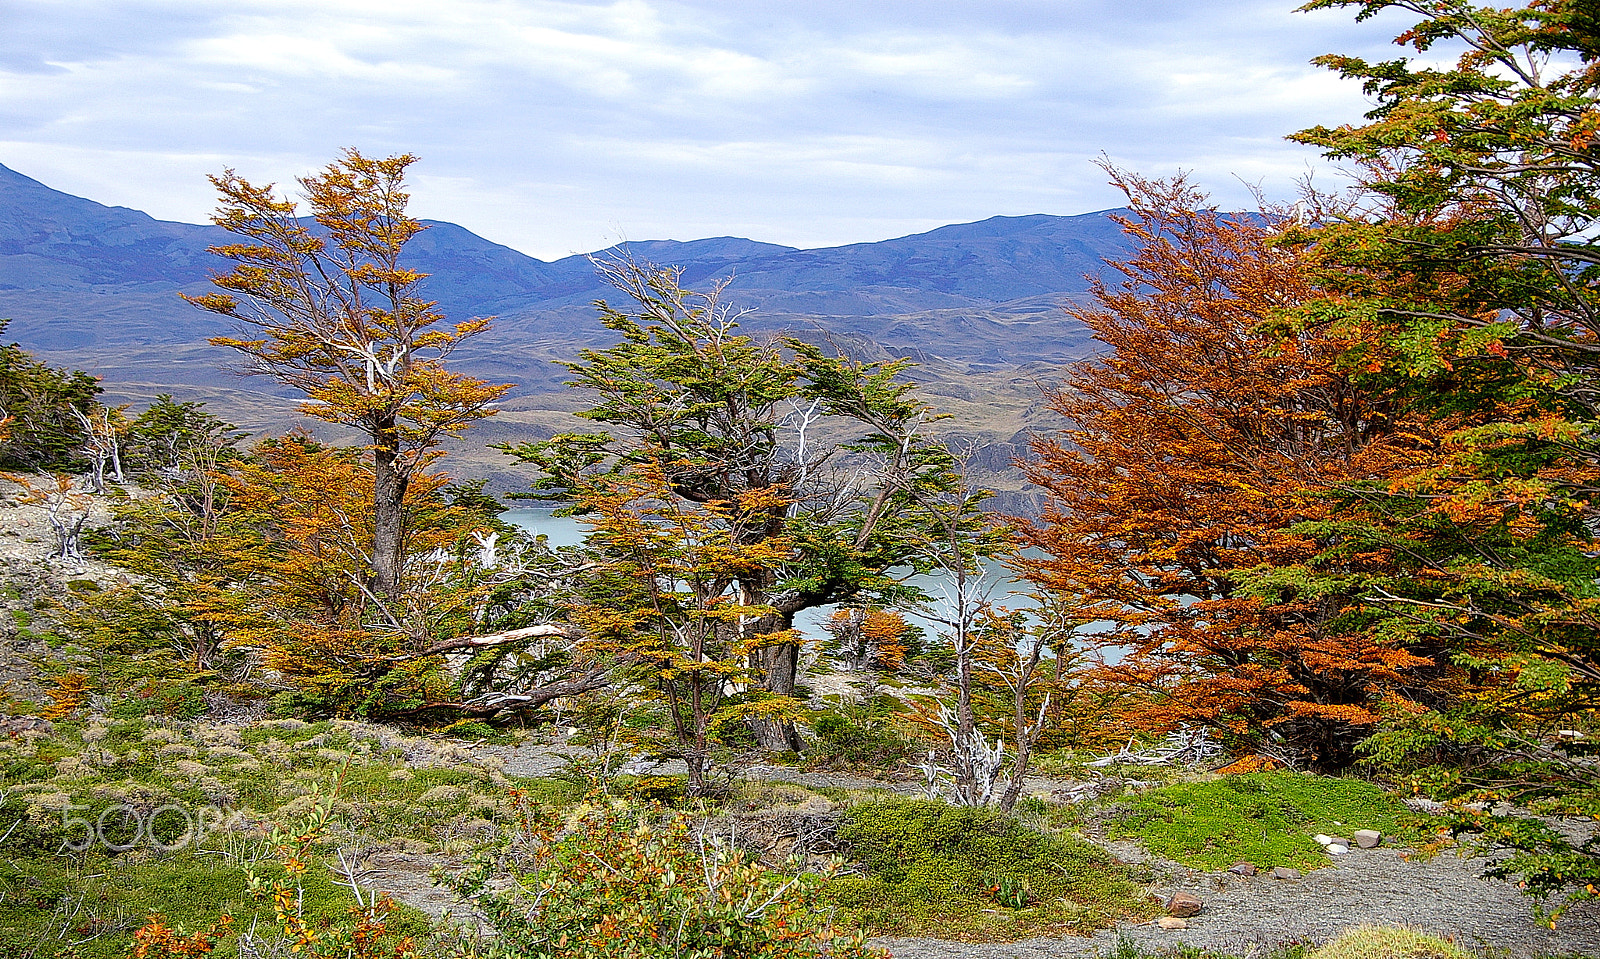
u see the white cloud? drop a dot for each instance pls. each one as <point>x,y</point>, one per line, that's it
<point>553,124</point>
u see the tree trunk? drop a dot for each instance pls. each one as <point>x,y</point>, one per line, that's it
<point>388,518</point>
<point>1019,772</point>
<point>695,779</point>
<point>780,668</point>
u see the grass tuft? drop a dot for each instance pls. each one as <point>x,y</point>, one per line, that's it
<point>1388,942</point>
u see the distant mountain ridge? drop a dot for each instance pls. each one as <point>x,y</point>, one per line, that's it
<point>55,243</point>
<point>978,304</point>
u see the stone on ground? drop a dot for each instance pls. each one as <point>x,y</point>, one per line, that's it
<point>1184,904</point>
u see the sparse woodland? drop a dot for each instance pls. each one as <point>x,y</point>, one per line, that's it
<point>1325,507</point>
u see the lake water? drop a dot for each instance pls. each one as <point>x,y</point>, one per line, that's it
<point>567,531</point>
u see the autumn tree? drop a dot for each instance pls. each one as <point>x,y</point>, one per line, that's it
<point>663,597</point>
<point>867,638</point>
<point>1193,447</point>
<point>1475,263</point>
<point>292,584</point>
<point>783,443</point>
<point>329,309</point>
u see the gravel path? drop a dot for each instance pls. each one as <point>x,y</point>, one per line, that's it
<point>1442,896</point>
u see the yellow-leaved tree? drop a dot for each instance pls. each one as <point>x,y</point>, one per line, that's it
<point>329,310</point>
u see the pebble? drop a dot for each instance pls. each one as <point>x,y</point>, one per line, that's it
<point>1336,849</point>
<point>1368,838</point>
<point>1243,869</point>
<point>1184,904</point>
<point>1285,872</point>
<point>1172,922</point>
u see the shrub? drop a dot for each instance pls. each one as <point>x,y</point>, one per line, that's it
<point>666,790</point>
<point>853,734</point>
<point>154,698</point>
<point>934,868</point>
<point>41,402</point>
<point>616,885</point>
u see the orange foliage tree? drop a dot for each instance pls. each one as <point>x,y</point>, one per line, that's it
<point>342,321</point>
<point>1194,449</point>
<point>299,533</point>
<point>869,638</point>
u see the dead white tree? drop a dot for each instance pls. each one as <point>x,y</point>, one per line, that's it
<point>959,539</point>
<point>66,509</point>
<point>102,444</point>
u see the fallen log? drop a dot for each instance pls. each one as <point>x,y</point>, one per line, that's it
<point>543,631</point>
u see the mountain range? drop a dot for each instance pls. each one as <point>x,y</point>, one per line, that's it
<point>977,305</point>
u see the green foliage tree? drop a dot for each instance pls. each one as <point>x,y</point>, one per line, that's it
<point>40,405</point>
<point>833,451</point>
<point>662,596</point>
<point>179,442</point>
<point>1471,252</point>
<point>180,543</point>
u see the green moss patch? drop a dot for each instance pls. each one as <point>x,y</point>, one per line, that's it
<point>1264,818</point>
<point>1388,942</point>
<point>960,873</point>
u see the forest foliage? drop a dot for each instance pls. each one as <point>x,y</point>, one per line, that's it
<point>1329,492</point>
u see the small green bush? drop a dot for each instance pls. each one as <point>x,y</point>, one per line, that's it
<point>1264,818</point>
<point>859,735</point>
<point>1128,949</point>
<point>155,698</point>
<point>959,872</point>
<point>665,790</point>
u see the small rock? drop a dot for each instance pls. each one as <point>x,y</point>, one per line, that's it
<point>1336,849</point>
<point>1321,839</point>
<point>16,725</point>
<point>1243,869</point>
<point>1184,904</point>
<point>1338,841</point>
<point>1284,872</point>
<point>1172,922</point>
<point>1368,838</point>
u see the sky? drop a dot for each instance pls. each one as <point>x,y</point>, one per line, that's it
<point>563,127</point>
